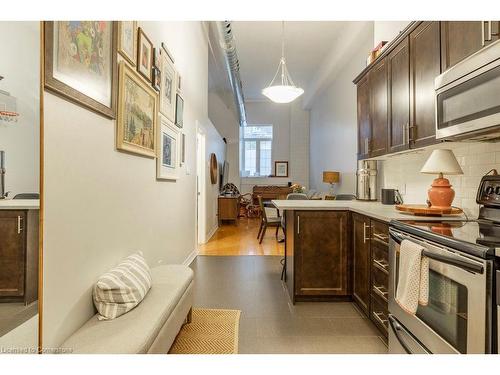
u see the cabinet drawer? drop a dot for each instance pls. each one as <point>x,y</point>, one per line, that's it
<point>380,258</point>
<point>379,314</point>
<point>380,232</point>
<point>380,283</point>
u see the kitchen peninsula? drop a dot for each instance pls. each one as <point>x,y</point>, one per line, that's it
<point>338,251</point>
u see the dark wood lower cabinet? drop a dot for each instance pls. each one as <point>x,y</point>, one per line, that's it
<point>317,247</point>
<point>18,255</point>
<point>361,261</point>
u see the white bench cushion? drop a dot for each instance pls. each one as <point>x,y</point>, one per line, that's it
<point>135,331</point>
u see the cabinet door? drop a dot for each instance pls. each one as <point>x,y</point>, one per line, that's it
<point>361,262</point>
<point>460,39</point>
<point>321,261</point>
<point>378,101</point>
<point>425,65</point>
<point>12,253</point>
<point>398,66</point>
<point>364,127</point>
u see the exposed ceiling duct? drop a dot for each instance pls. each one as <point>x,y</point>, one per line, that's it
<point>232,65</point>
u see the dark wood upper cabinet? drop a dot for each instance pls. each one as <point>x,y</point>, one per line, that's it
<point>321,256</point>
<point>425,66</point>
<point>361,262</point>
<point>364,126</point>
<point>460,39</point>
<point>378,101</point>
<point>398,65</point>
<point>12,253</point>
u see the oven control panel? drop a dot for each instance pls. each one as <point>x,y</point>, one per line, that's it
<point>488,193</point>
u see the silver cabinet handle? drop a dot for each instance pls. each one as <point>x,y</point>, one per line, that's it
<point>381,291</point>
<point>382,265</point>
<point>366,146</point>
<point>19,227</point>
<point>381,238</point>
<point>483,42</point>
<point>377,315</point>
<point>406,133</point>
<point>298,224</point>
<point>364,232</point>
<point>489,31</point>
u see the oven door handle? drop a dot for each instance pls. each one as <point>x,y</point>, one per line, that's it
<point>461,263</point>
<point>396,328</point>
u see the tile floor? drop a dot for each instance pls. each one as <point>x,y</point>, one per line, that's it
<point>269,322</point>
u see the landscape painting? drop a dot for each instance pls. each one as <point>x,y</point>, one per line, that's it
<point>80,58</point>
<point>137,114</point>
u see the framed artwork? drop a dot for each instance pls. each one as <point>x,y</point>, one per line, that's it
<point>127,40</point>
<point>144,55</point>
<point>178,82</point>
<point>156,79</point>
<point>80,63</point>
<point>165,50</point>
<point>281,169</point>
<point>137,114</point>
<point>167,87</point>
<point>156,57</point>
<point>168,152</point>
<point>179,111</point>
<point>183,148</point>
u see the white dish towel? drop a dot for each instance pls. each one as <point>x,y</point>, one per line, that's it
<point>413,279</point>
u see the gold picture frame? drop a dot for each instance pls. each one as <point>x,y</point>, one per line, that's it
<point>137,116</point>
<point>127,44</point>
<point>63,73</point>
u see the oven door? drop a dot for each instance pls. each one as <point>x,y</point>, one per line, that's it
<point>455,319</point>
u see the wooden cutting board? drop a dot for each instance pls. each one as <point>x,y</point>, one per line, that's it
<point>424,210</point>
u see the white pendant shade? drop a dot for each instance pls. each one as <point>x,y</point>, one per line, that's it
<point>442,161</point>
<point>284,91</point>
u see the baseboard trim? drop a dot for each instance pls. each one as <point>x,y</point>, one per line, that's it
<point>211,233</point>
<point>191,257</point>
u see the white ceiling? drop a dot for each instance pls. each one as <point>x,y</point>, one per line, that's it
<point>307,45</point>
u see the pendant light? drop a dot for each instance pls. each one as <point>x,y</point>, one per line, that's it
<point>284,91</point>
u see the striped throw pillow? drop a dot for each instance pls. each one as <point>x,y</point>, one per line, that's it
<point>122,288</point>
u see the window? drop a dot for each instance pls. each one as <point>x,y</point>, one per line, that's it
<point>256,150</point>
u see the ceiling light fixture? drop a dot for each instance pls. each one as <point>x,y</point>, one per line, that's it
<point>284,91</point>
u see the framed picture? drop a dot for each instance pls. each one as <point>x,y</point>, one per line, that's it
<point>179,111</point>
<point>137,114</point>
<point>178,82</point>
<point>127,40</point>
<point>156,57</point>
<point>80,63</point>
<point>183,148</point>
<point>168,152</point>
<point>167,87</point>
<point>281,169</point>
<point>165,49</point>
<point>144,55</point>
<point>156,79</point>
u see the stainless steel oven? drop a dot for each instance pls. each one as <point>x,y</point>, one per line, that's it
<point>457,318</point>
<point>468,97</point>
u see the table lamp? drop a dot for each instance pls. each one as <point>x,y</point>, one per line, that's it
<point>331,178</point>
<point>441,162</point>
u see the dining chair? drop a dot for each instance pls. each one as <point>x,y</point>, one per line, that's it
<point>267,222</point>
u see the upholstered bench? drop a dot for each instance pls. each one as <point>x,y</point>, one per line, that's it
<point>151,327</point>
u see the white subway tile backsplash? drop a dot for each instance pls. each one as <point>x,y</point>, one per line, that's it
<point>476,159</point>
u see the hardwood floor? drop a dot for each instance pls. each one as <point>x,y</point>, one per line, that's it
<point>240,238</point>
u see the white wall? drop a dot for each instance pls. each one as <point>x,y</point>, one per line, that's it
<point>387,30</point>
<point>290,141</point>
<point>21,71</point>
<point>102,204</point>
<point>476,159</point>
<point>333,128</point>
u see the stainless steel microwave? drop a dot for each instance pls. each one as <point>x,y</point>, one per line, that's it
<point>468,97</point>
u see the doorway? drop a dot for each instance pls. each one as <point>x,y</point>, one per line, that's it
<point>200,184</point>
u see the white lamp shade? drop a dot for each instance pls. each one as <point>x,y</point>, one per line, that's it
<point>442,161</point>
<point>282,93</point>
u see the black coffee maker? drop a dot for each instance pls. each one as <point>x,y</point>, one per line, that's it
<point>391,196</point>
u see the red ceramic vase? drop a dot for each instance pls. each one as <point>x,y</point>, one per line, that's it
<point>441,194</point>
